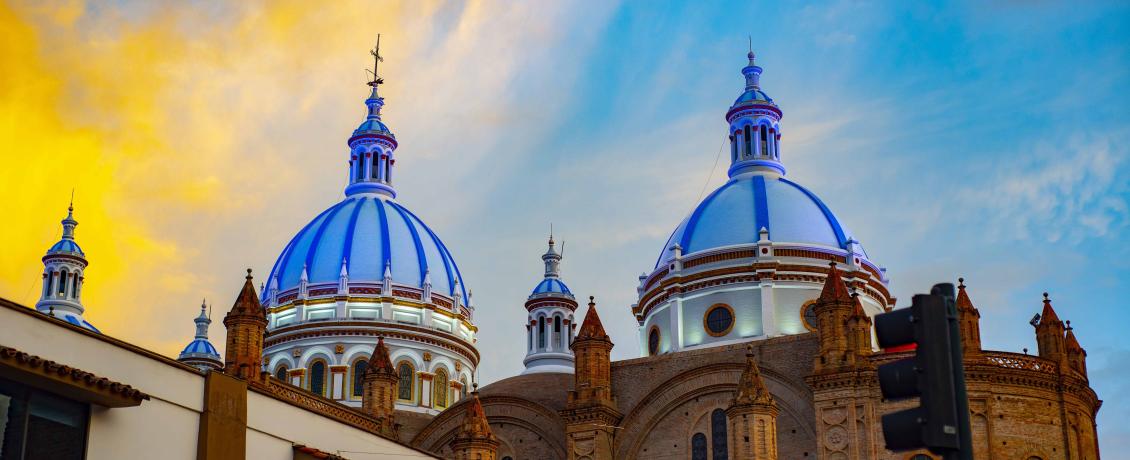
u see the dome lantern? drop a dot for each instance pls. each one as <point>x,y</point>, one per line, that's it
<point>755,131</point>
<point>372,144</point>
<point>64,268</point>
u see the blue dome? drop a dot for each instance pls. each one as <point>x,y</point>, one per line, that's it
<point>551,286</point>
<point>77,321</point>
<point>367,232</point>
<point>735,212</point>
<point>200,346</point>
<point>753,95</point>
<point>67,246</point>
<point>372,126</point>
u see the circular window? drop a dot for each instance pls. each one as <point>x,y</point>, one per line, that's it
<point>808,315</point>
<point>653,341</point>
<point>719,319</point>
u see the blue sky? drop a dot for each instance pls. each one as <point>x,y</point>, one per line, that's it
<point>988,140</point>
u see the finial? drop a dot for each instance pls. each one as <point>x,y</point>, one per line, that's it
<point>749,351</point>
<point>51,311</point>
<point>1046,299</point>
<point>248,273</point>
<point>377,59</point>
<point>961,283</point>
<point>71,207</point>
<point>832,264</point>
<point>1069,325</point>
<point>1025,350</point>
<point>592,301</point>
<point>750,55</point>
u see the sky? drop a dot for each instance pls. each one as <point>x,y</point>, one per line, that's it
<point>989,140</point>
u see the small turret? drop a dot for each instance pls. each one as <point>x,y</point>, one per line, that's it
<point>859,332</point>
<point>755,130</point>
<point>474,439</point>
<point>833,308</point>
<point>246,323</point>
<point>591,409</point>
<point>200,352</point>
<point>549,313</point>
<point>753,416</point>
<point>1076,355</point>
<point>969,320</point>
<point>1050,334</point>
<point>378,395</point>
<point>64,268</point>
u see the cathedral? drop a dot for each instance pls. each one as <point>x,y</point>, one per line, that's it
<point>754,330</point>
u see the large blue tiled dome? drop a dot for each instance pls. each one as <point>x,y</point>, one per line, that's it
<point>368,231</point>
<point>735,212</point>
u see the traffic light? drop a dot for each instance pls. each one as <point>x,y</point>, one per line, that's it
<point>934,374</point>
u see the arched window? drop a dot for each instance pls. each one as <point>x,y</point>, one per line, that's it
<point>529,338</point>
<point>733,149</point>
<point>62,281</point>
<point>50,281</point>
<point>74,285</point>
<point>318,378</point>
<point>764,140</point>
<point>698,447</point>
<point>359,369</point>
<point>653,341</point>
<point>375,167</point>
<point>280,374</point>
<point>557,331</point>
<point>407,381</point>
<point>920,457</point>
<point>748,142</point>
<point>388,169</point>
<point>463,388</point>
<point>541,333</point>
<point>718,435</point>
<point>439,385</point>
<point>360,165</point>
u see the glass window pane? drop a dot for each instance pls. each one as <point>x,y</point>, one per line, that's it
<point>56,428</point>
<point>698,447</point>
<point>718,434</point>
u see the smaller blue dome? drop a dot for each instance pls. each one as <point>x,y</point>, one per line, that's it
<point>753,95</point>
<point>372,126</point>
<point>67,246</point>
<point>200,346</point>
<point>551,286</point>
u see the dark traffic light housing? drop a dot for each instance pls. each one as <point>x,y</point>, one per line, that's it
<point>935,375</point>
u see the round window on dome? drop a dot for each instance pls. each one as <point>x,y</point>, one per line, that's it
<point>653,341</point>
<point>808,315</point>
<point>718,320</point>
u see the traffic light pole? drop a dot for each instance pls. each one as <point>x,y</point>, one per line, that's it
<point>957,353</point>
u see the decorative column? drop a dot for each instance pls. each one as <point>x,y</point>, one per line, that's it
<point>337,382</point>
<point>766,267</point>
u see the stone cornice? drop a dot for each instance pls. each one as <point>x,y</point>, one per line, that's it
<point>65,380</point>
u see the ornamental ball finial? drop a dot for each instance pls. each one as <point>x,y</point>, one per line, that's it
<point>248,273</point>
<point>1046,297</point>
<point>961,282</point>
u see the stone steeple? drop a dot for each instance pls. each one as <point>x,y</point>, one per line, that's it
<point>474,439</point>
<point>378,394</point>
<point>969,320</point>
<point>1076,355</point>
<point>246,323</point>
<point>1050,334</point>
<point>590,413</point>
<point>833,308</point>
<point>859,333</point>
<point>753,416</point>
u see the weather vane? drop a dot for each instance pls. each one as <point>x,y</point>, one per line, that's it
<point>377,59</point>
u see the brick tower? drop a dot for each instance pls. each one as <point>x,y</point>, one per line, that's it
<point>474,440</point>
<point>378,395</point>
<point>859,334</point>
<point>753,416</point>
<point>246,324</point>
<point>969,320</point>
<point>1076,355</point>
<point>1050,334</point>
<point>833,308</point>
<point>590,414</point>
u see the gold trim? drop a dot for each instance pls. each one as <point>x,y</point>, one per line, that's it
<point>803,307</point>
<point>733,320</point>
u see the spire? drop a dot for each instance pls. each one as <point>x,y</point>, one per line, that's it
<point>834,287</point>
<point>473,437</point>
<point>752,72</point>
<point>303,282</point>
<point>247,303</point>
<point>202,321</point>
<point>386,285</point>
<point>380,362</point>
<point>372,143</point>
<point>69,222</point>
<point>427,285</point>
<point>246,324</point>
<point>968,320</point>
<point>63,276</point>
<point>592,328</point>
<point>1048,316</point>
<point>751,388</point>
<point>343,278</point>
<point>552,259</point>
